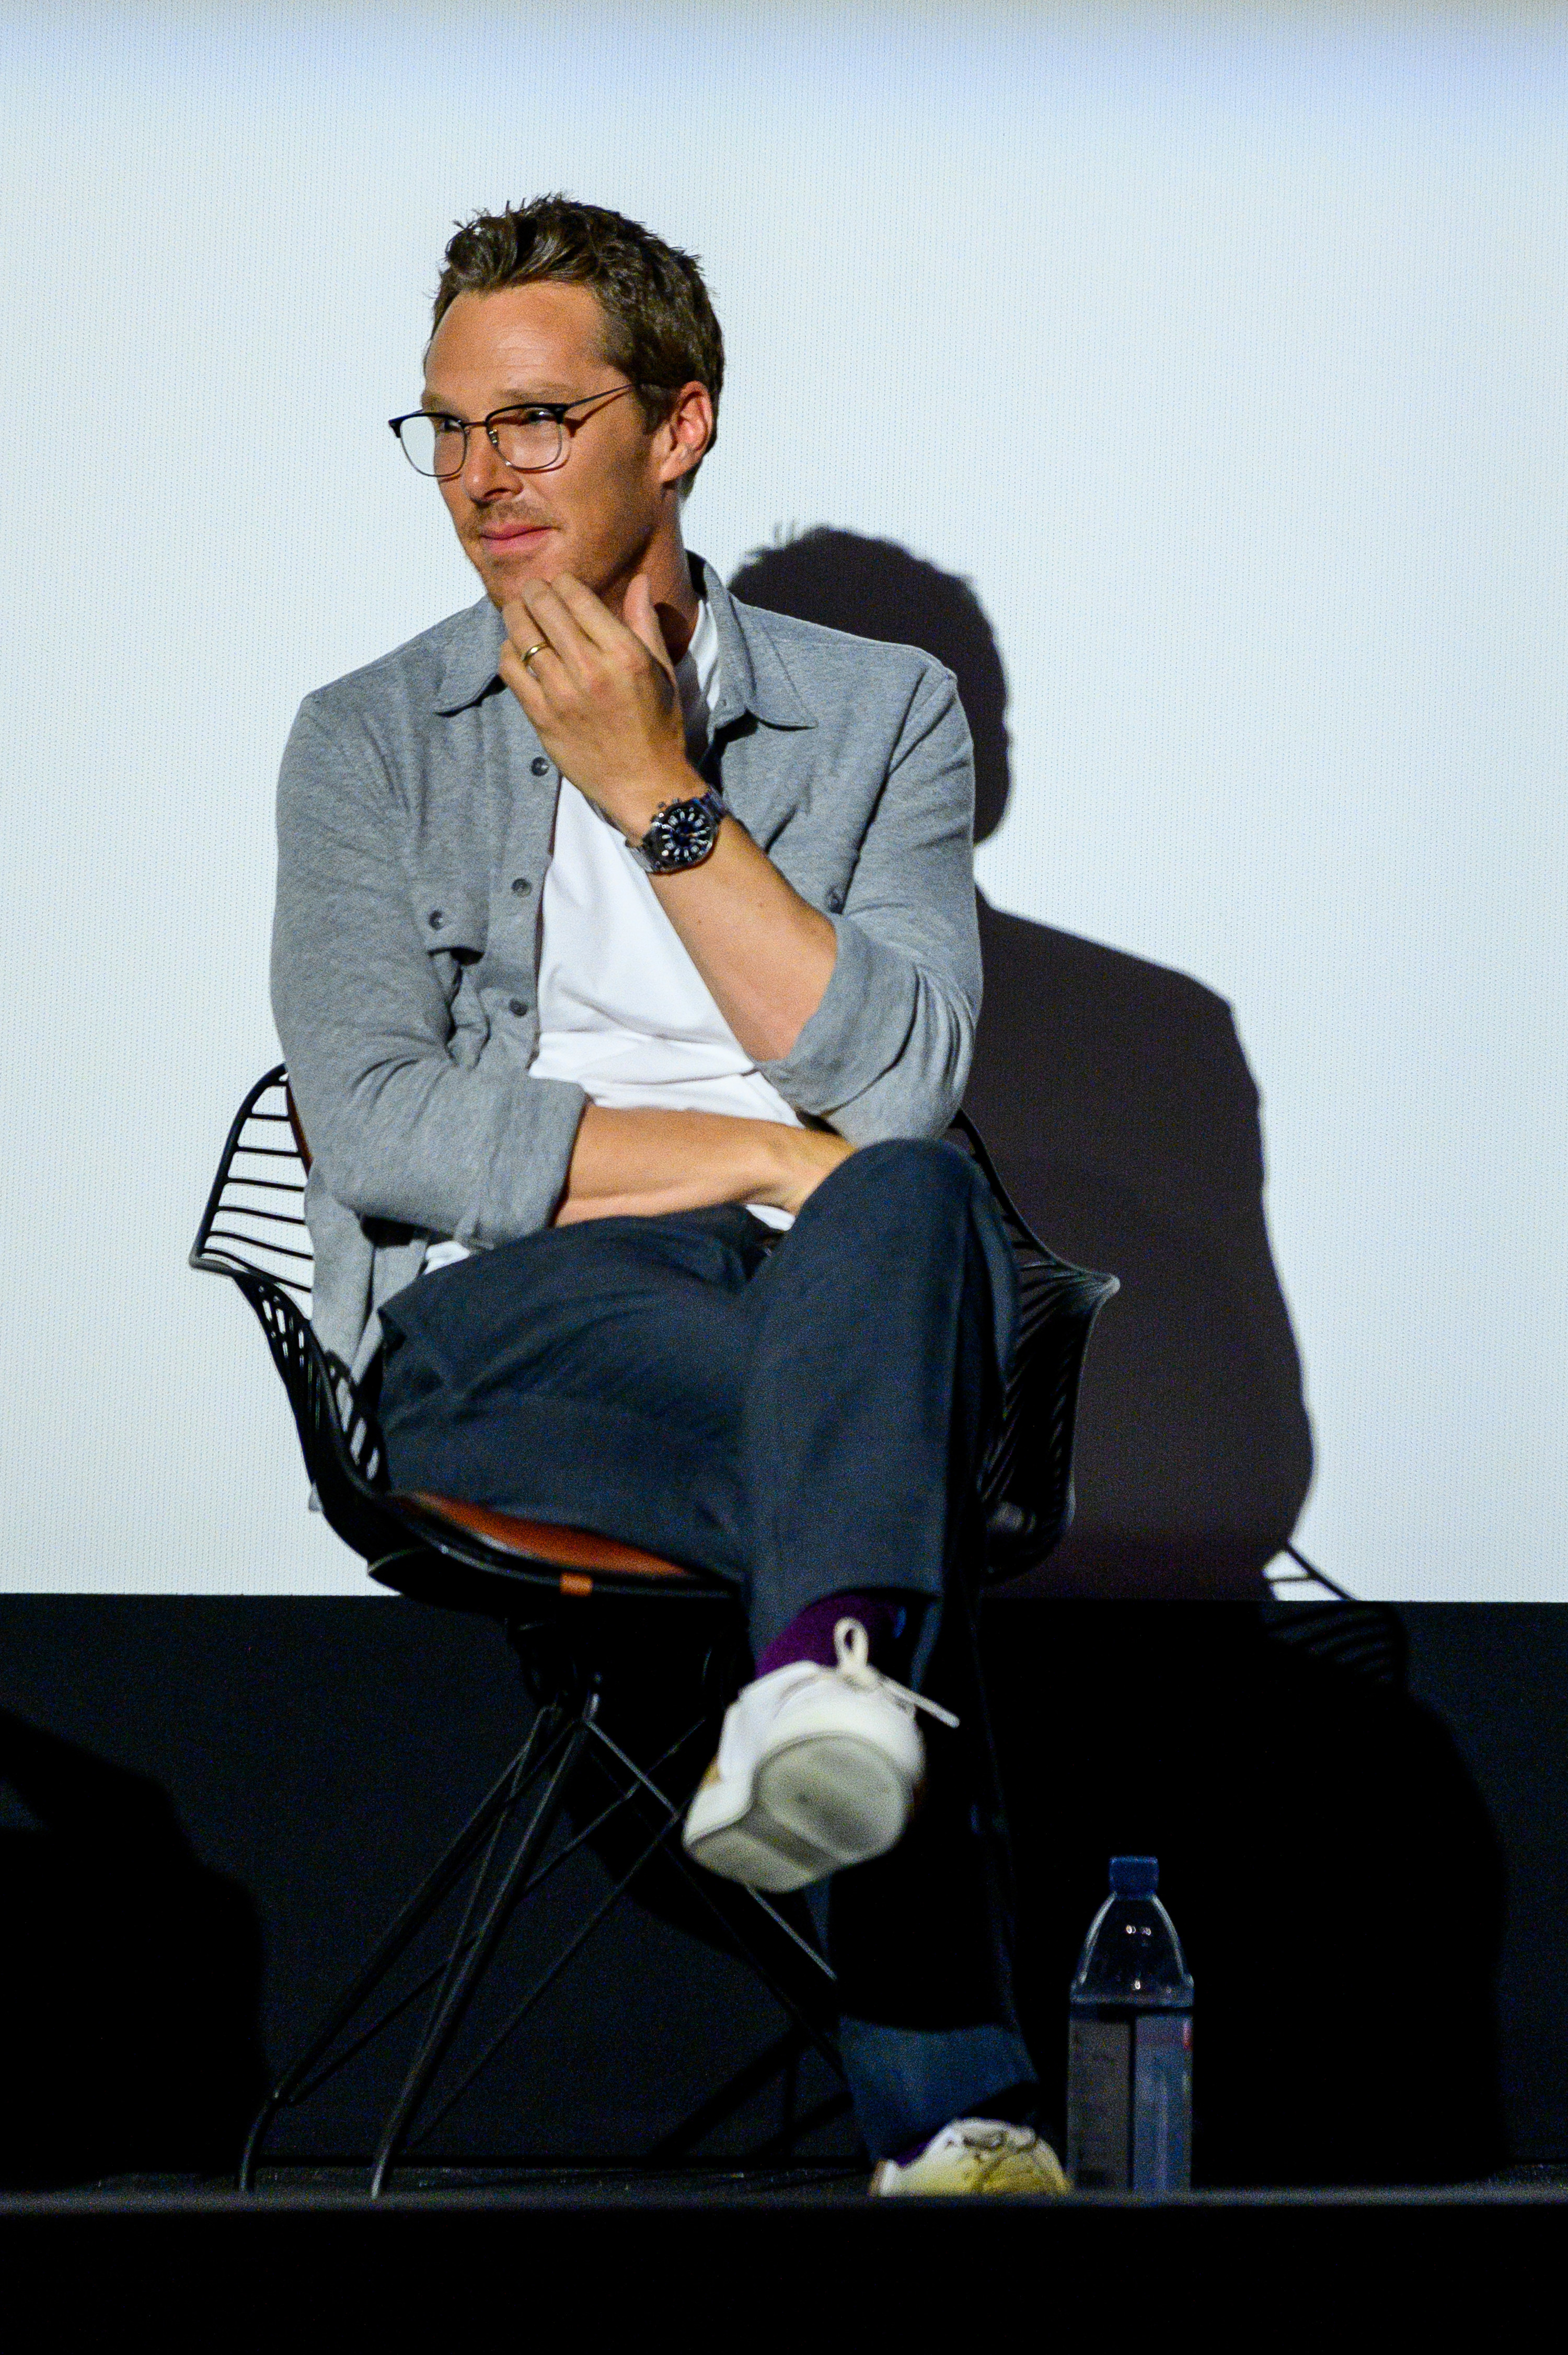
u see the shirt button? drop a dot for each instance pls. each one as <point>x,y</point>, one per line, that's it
<point>520,885</point>
<point>539,767</point>
<point>517,1006</point>
<point>437,918</point>
<point>835,901</point>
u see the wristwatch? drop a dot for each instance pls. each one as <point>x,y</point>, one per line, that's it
<point>682,834</point>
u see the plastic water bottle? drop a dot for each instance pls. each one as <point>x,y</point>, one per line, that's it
<point>1129,2044</point>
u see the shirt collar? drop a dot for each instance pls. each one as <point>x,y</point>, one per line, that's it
<point>696,681</point>
<point>472,657</point>
<point>752,677</point>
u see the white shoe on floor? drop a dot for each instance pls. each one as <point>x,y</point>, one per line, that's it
<point>974,2155</point>
<point>818,1768</point>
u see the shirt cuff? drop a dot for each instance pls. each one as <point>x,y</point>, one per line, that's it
<point>857,1032</point>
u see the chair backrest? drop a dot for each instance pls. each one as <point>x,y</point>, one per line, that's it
<point>254,1216</point>
<point>1026,1482</point>
<point>253,1230</point>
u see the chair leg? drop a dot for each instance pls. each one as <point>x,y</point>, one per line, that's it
<point>459,1985</point>
<point>559,1740</point>
<point>565,1956</point>
<point>399,1934</point>
<point>700,1883</point>
<point>639,1785</point>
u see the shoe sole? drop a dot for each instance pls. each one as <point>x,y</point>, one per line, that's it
<point>815,1806</point>
<point>1017,2176</point>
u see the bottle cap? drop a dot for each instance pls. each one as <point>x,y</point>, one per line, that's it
<point>1135,1876</point>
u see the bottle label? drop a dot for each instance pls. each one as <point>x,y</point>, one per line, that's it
<point>1099,2088</point>
<point>1129,2101</point>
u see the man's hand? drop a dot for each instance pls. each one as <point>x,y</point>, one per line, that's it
<point>646,1164</point>
<point>602,695</point>
<point>804,1157</point>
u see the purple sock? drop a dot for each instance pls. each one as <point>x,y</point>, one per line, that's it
<point>892,1621</point>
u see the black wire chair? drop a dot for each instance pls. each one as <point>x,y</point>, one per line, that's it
<point>577,1608</point>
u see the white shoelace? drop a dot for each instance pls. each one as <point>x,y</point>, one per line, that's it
<point>854,1667</point>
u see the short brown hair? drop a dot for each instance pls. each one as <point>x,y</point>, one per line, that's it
<point>660,325</point>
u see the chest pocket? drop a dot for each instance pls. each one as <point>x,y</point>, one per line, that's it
<point>454,920</point>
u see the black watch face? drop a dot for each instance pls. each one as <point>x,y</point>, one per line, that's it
<point>682,834</point>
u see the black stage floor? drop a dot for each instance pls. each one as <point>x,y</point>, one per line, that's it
<point>816,2184</point>
<point>779,2255</point>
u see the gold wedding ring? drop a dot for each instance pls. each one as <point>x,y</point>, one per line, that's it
<point>539,647</point>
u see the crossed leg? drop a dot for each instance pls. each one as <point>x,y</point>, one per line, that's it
<point>803,1416</point>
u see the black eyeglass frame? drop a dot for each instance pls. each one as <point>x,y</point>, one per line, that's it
<point>559,412</point>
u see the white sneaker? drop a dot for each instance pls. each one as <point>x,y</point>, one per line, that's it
<point>974,2155</point>
<point>818,1768</point>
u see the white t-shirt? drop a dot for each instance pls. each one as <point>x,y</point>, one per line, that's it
<point>623,1010</point>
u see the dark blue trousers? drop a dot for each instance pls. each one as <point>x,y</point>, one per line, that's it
<point>800,1414</point>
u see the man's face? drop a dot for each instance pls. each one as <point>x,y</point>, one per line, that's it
<point>595,514</point>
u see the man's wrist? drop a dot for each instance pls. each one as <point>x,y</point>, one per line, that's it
<point>682,834</point>
<point>677,784</point>
<point>779,1165</point>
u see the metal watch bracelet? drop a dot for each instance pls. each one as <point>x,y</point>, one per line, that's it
<point>681,834</point>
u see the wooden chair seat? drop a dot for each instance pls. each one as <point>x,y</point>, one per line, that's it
<point>577,1554</point>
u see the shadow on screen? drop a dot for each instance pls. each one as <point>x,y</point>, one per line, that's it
<point>130,1977</point>
<point>1303,1814</point>
<point>1118,1104</point>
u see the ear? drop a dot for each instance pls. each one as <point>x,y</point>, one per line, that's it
<point>686,431</point>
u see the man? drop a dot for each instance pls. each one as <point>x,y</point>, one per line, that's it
<point>625,966</point>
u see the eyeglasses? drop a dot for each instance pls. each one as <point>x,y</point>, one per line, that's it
<point>529,440</point>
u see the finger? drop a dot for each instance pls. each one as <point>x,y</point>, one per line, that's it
<point>523,679</point>
<point>547,617</point>
<point>631,640</point>
<point>525,640</point>
<point>522,633</point>
<point>591,613</point>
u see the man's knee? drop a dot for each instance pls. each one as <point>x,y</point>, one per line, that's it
<point>914,1172</point>
<point>907,1183</point>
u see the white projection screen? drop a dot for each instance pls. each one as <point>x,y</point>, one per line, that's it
<point>1221,350</point>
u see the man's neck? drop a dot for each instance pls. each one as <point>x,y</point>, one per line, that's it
<point>675,597</point>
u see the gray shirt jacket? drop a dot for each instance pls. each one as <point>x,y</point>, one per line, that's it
<point>416,811</point>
